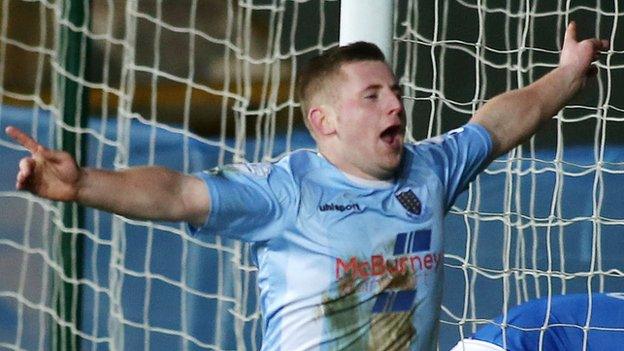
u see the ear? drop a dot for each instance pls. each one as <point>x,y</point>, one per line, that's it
<point>322,120</point>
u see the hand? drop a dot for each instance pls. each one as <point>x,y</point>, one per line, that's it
<point>47,173</point>
<point>578,56</point>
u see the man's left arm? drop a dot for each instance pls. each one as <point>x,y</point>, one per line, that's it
<point>513,117</point>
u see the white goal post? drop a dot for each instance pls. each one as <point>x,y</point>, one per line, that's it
<point>192,84</point>
<point>368,20</point>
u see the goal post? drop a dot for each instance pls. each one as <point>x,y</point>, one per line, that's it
<point>368,20</point>
<point>193,84</point>
<point>72,99</point>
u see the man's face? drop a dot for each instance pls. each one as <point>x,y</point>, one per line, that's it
<point>369,120</point>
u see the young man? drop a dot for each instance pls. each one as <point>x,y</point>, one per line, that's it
<point>348,240</point>
<point>555,324</point>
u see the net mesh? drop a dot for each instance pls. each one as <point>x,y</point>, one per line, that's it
<point>543,220</point>
<point>194,84</point>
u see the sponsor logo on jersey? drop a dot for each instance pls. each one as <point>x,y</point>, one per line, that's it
<point>340,208</point>
<point>394,301</point>
<point>411,242</point>
<point>392,277</point>
<point>409,201</point>
<point>407,255</point>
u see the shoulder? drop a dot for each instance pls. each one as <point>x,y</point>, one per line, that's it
<point>300,161</point>
<point>466,142</point>
<point>293,164</point>
<point>297,165</point>
<point>287,174</point>
<point>470,131</point>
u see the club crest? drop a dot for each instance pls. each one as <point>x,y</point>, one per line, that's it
<point>409,201</point>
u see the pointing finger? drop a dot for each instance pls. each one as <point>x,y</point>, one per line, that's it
<point>26,141</point>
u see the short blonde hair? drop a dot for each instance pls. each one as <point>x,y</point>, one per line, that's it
<point>315,77</point>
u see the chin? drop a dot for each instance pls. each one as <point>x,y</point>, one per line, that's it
<point>391,168</point>
<point>396,157</point>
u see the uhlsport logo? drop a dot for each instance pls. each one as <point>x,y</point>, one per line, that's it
<point>340,208</point>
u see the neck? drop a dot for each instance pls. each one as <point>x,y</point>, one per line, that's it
<point>350,169</point>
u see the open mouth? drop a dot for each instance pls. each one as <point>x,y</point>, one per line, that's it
<point>392,134</point>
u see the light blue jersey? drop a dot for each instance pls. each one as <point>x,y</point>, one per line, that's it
<point>344,263</point>
<point>564,327</point>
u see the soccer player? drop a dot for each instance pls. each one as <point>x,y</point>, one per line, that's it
<point>348,240</point>
<point>563,330</point>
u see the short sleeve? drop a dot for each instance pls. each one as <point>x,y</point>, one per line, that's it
<point>248,201</point>
<point>458,156</point>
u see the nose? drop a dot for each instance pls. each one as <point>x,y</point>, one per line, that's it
<point>395,105</point>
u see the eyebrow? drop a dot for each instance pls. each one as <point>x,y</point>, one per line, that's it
<point>394,87</point>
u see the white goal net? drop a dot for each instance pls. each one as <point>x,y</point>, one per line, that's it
<point>193,84</point>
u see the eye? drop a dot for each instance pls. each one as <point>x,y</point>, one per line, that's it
<point>372,96</point>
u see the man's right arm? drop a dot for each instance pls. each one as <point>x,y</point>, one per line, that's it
<point>153,193</point>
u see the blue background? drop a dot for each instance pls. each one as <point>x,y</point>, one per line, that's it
<point>170,258</point>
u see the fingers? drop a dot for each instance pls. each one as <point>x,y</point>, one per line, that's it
<point>26,169</point>
<point>571,37</point>
<point>51,155</point>
<point>26,141</point>
<point>33,146</point>
<point>598,46</point>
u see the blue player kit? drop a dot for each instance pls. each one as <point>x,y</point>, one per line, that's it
<point>346,263</point>
<point>573,322</point>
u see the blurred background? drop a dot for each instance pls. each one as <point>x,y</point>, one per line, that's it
<point>195,84</point>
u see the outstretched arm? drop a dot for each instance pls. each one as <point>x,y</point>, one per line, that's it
<point>143,192</point>
<point>515,116</point>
